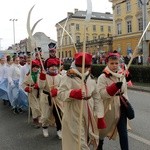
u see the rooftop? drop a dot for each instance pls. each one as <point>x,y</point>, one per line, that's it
<point>95,15</point>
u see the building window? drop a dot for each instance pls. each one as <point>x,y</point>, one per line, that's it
<point>128,6</point>
<point>58,41</point>
<point>65,40</point>
<point>94,27</point>
<point>77,27</point>
<point>129,26</point>
<point>66,53</point>
<point>118,10</point>
<point>119,31</point>
<point>69,27</point>
<point>102,28</point>
<point>62,54</point>
<point>94,37</point>
<point>109,28</point>
<point>119,48</point>
<point>139,3</point>
<point>77,39</point>
<point>140,24</point>
<point>69,53</point>
<point>70,40</point>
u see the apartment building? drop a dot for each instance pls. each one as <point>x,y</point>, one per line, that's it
<point>128,25</point>
<point>99,27</point>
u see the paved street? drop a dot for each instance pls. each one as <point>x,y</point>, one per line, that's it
<point>17,134</point>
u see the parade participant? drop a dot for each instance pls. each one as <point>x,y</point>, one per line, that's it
<point>113,91</point>
<point>17,96</point>
<point>71,94</point>
<point>22,58</point>
<point>25,69</point>
<point>2,66</point>
<point>50,105</point>
<point>4,82</point>
<point>31,87</point>
<point>52,52</point>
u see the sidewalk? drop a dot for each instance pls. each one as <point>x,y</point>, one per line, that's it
<point>144,88</point>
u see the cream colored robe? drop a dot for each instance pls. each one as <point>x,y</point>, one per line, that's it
<point>46,110</point>
<point>34,102</point>
<point>70,121</point>
<point>111,105</point>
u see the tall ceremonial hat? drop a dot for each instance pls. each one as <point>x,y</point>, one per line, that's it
<point>52,46</point>
<point>78,59</point>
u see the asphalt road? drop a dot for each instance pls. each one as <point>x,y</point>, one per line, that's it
<point>17,134</point>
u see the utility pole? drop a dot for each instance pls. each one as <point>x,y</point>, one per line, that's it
<point>145,40</point>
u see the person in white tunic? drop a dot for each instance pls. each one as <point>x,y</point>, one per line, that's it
<point>4,90</point>
<point>31,87</point>
<point>113,90</point>
<point>50,105</point>
<point>71,94</point>
<point>25,69</point>
<point>3,84</point>
<point>17,96</point>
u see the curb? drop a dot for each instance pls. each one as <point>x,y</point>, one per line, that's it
<point>142,89</point>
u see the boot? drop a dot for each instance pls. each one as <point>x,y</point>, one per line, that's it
<point>15,111</point>
<point>100,145</point>
<point>45,132</point>
<point>59,133</point>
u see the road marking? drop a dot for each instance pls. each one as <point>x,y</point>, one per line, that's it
<point>138,138</point>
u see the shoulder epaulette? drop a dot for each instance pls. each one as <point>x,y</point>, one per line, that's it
<point>107,73</point>
<point>72,74</point>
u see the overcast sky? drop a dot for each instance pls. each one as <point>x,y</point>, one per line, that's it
<point>52,11</point>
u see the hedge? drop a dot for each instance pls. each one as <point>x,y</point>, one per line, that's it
<point>139,73</point>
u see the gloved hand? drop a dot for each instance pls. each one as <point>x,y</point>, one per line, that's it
<point>101,123</point>
<point>76,93</point>
<point>42,76</point>
<point>28,89</point>
<point>54,92</point>
<point>128,77</point>
<point>119,85</point>
<point>36,86</point>
<point>113,88</point>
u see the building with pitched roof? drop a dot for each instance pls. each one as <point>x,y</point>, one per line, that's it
<point>99,28</point>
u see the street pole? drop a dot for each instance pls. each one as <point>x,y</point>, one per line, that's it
<point>145,43</point>
<point>13,20</point>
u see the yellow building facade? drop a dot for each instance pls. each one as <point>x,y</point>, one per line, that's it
<point>128,25</point>
<point>99,27</point>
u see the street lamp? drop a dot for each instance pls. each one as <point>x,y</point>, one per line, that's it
<point>13,20</point>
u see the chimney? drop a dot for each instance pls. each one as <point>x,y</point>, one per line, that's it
<point>69,14</point>
<point>75,10</point>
